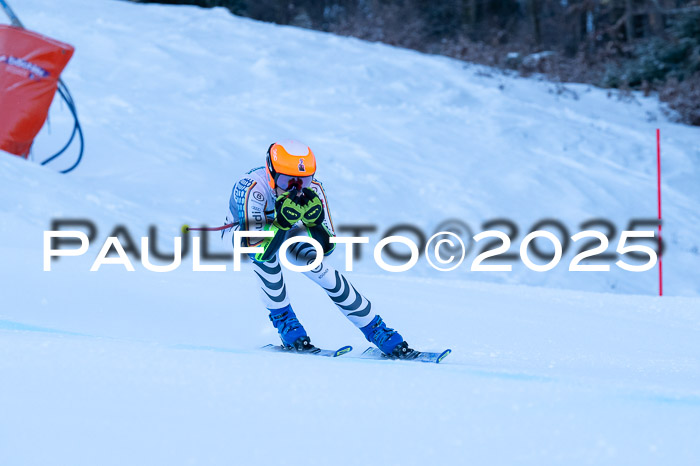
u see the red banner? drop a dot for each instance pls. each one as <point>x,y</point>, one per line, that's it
<point>30,66</point>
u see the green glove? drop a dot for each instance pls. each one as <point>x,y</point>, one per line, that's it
<point>313,213</point>
<point>287,210</point>
<point>313,216</point>
<point>287,213</point>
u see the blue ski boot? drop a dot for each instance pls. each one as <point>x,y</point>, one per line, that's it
<point>291,331</point>
<point>387,339</point>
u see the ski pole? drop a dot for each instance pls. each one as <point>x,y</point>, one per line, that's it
<point>186,228</point>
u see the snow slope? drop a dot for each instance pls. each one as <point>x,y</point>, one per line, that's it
<point>143,368</point>
<point>177,102</point>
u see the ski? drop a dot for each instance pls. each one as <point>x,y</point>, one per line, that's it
<point>369,353</point>
<point>376,353</point>
<point>312,352</point>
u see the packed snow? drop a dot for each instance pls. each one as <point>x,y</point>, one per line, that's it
<point>142,368</point>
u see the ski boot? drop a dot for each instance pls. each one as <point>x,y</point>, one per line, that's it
<point>387,339</point>
<point>291,332</point>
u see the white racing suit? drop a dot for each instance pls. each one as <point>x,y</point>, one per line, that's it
<point>252,206</point>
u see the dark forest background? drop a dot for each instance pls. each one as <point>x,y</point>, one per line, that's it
<point>649,45</point>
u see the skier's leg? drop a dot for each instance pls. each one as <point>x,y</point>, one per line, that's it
<point>273,293</point>
<point>356,307</point>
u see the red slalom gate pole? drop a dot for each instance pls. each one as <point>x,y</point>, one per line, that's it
<point>658,192</point>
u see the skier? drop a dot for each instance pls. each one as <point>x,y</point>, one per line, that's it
<point>285,198</point>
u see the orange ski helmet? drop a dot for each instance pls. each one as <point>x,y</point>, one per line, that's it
<point>290,164</point>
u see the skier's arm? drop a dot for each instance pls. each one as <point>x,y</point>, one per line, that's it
<point>248,201</point>
<point>287,213</point>
<point>317,218</point>
<point>317,187</point>
<point>248,205</point>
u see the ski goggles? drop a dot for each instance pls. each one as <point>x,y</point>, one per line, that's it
<point>289,182</point>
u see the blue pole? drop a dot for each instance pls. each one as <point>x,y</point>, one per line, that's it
<point>13,17</point>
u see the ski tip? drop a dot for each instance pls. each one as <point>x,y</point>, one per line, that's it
<point>442,356</point>
<point>343,350</point>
